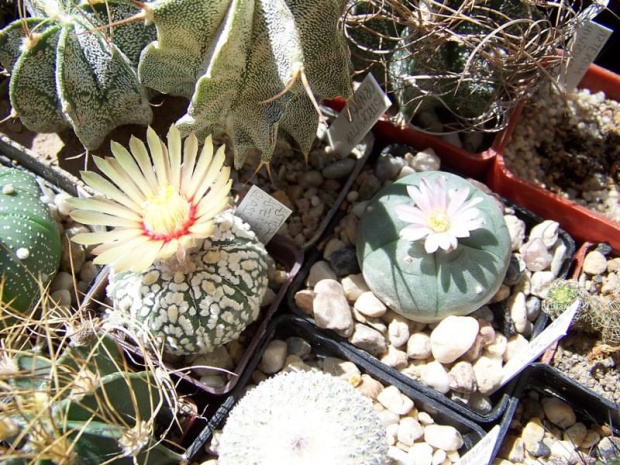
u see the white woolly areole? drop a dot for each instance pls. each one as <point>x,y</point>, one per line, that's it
<point>303,418</point>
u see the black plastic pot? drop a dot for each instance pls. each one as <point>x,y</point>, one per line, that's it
<point>323,344</point>
<point>500,398</point>
<point>548,381</point>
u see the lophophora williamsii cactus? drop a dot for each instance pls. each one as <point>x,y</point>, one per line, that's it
<point>30,245</point>
<point>79,404</point>
<point>250,67</point>
<point>70,70</point>
<point>185,271</point>
<point>450,260</point>
<point>305,418</point>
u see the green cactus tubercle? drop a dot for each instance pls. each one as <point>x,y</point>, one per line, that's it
<point>85,403</point>
<point>250,67</point>
<point>428,287</point>
<point>30,245</point>
<point>69,71</point>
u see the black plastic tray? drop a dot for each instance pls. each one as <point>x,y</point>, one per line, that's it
<point>500,398</point>
<point>322,343</point>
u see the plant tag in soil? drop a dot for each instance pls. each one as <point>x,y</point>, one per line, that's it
<point>369,102</point>
<point>587,42</point>
<point>481,453</point>
<point>554,332</point>
<point>263,213</point>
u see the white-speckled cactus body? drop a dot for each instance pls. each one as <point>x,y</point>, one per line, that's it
<point>67,74</point>
<point>427,287</point>
<point>243,63</point>
<point>203,303</point>
<point>30,245</point>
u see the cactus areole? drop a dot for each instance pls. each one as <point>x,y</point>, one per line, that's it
<point>428,287</point>
<point>204,302</point>
<point>30,245</point>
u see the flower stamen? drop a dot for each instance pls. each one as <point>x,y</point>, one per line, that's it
<point>167,214</point>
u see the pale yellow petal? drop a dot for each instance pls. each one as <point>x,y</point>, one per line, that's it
<point>129,165</point>
<point>118,250</point>
<point>168,250</point>
<point>107,206</point>
<point>139,152</point>
<point>190,150</point>
<point>174,155</point>
<point>202,229</point>
<point>105,187</point>
<point>214,202</point>
<point>140,258</point>
<point>106,236</point>
<point>101,219</point>
<point>204,161</point>
<point>112,169</point>
<point>216,172</point>
<point>157,155</point>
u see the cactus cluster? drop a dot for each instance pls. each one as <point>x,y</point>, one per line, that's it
<point>70,70</point>
<point>78,405</point>
<point>30,245</point>
<point>305,418</point>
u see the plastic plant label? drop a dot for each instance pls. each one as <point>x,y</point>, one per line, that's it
<point>554,332</point>
<point>263,213</point>
<point>369,102</point>
<point>483,450</point>
<point>587,43</point>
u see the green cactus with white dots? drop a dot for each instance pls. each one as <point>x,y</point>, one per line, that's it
<point>68,70</point>
<point>250,67</point>
<point>30,245</point>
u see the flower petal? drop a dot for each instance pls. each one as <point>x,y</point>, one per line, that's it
<point>140,259</point>
<point>160,162</point>
<point>127,162</point>
<point>215,172</point>
<point>174,156</point>
<point>431,244</point>
<point>103,205</point>
<point>106,236</point>
<point>190,150</point>
<point>101,219</point>
<point>414,232</point>
<point>112,169</point>
<point>141,155</point>
<point>204,161</point>
<point>410,214</point>
<point>105,187</point>
<point>457,198</point>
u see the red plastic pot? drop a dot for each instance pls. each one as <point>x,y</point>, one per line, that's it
<point>581,223</point>
<point>474,165</point>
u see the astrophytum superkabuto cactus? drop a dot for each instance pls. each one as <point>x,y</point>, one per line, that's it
<point>251,67</point>
<point>69,70</point>
<point>30,245</point>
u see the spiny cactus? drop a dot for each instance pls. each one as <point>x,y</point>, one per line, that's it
<point>79,406</point>
<point>251,67</point>
<point>69,70</point>
<point>459,267</point>
<point>305,418</point>
<point>204,301</point>
<point>30,245</point>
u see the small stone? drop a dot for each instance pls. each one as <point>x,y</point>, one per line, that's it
<point>344,262</point>
<point>462,377</point>
<point>409,430</point>
<point>497,348</point>
<point>440,457</point>
<point>547,231</point>
<point>388,166</point>
<point>304,299</point>
<point>331,308</point>
<point>576,433</point>
<point>213,381</point>
<point>368,339</point>
<point>273,357</point>
<point>516,269</point>
<point>515,345</point>
<point>472,141</point>
<point>294,364</point>
<point>397,456</point>
<point>391,432</point>
<point>435,376</point>
<point>421,453</point>
<point>72,257</point>
<point>405,171</point>
<point>298,346</point>
<point>443,437</point>
<point>502,294</point>
<point>559,252</point>
<point>565,450</point>
<point>512,449</point>
<point>395,358</point>
<point>311,178</point>
<point>398,331</point>
<point>62,297</point>
<point>532,305</point>
<point>591,438</point>
<point>369,305</point>
<point>536,255</point>
<point>61,203</point>
<point>341,368</point>
<point>331,246</point>
<point>516,229</point>
<point>319,271</point>
<point>426,160</point>
<point>369,386</point>
<point>488,372</point>
<point>354,286</point>
<point>393,400</point>
<point>88,272</point>
<point>62,280</point>
<point>518,311</point>
<point>594,263</point>
<point>339,169</point>
<point>419,346</point>
<point>480,403</point>
<point>558,412</point>
<point>425,419</point>
<point>541,282</point>
<point>533,433</point>
<point>208,364</point>
<point>369,187</point>
<point>452,337</point>
<point>388,418</point>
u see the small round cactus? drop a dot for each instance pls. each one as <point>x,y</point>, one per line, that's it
<point>30,245</point>
<point>305,418</point>
<point>203,302</point>
<point>458,267</point>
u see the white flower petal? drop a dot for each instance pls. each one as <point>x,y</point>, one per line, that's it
<point>415,232</point>
<point>431,244</point>
<point>410,214</point>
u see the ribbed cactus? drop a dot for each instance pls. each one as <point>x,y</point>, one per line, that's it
<point>30,245</point>
<point>251,67</point>
<point>69,70</point>
<point>428,280</point>
<point>80,406</point>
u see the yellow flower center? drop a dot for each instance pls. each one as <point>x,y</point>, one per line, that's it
<point>167,214</point>
<point>439,222</point>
